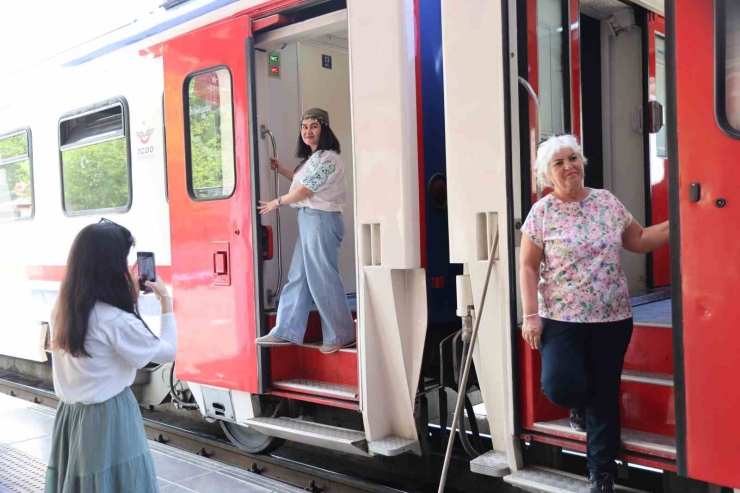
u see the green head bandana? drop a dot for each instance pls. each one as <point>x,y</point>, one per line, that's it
<point>317,114</point>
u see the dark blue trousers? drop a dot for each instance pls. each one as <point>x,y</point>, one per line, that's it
<point>582,367</point>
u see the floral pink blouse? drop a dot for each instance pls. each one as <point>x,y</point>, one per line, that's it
<point>581,278</point>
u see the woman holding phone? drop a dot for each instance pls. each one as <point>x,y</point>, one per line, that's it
<point>99,340</point>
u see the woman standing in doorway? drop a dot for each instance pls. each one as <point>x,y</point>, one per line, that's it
<point>577,309</point>
<point>98,342</point>
<point>318,190</point>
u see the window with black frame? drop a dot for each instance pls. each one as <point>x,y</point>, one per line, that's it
<point>96,166</point>
<point>727,66</point>
<point>210,135</point>
<point>16,179</point>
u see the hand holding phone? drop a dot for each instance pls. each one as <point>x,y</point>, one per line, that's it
<point>147,270</point>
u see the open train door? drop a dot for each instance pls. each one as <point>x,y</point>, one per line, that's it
<point>703,60</point>
<point>212,210</point>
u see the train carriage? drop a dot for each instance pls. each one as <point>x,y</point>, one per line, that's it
<point>168,124</point>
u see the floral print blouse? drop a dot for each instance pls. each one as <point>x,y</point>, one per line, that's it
<point>581,278</point>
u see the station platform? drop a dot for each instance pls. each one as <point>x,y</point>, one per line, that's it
<point>25,445</point>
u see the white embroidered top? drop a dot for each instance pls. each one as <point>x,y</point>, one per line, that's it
<point>323,174</point>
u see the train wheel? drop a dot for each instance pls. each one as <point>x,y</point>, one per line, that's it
<point>251,440</point>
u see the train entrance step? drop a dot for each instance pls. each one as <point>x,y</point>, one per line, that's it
<point>314,387</point>
<point>634,440</point>
<point>331,437</point>
<point>491,463</point>
<point>536,479</point>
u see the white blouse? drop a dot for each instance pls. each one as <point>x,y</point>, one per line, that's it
<point>323,174</point>
<point>118,344</point>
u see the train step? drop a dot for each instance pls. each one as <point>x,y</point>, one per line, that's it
<point>491,463</point>
<point>647,377</point>
<point>638,441</point>
<point>317,345</point>
<point>332,437</point>
<point>536,479</point>
<point>315,387</point>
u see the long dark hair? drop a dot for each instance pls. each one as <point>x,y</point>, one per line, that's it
<point>327,142</point>
<point>97,270</point>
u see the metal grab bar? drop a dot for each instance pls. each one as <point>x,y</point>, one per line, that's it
<point>533,151</point>
<point>468,363</point>
<point>273,295</point>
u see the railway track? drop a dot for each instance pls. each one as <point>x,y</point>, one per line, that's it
<point>290,471</point>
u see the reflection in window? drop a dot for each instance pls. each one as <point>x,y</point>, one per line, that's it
<point>732,63</point>
<point>660,92</point>
<point>211,158</point>
<point>95,162</point>
<point>16,197</point>
<point>550,67</point>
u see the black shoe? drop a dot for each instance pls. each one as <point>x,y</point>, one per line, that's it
<point>601,482</point>
<point>578,419</point>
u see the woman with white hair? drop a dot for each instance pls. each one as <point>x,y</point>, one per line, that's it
<point>577,309</point>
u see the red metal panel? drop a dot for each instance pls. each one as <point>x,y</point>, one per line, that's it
<point>658,165</point>
<point>353,406</point>
<point>647,407</point>
<point>216,323</point>
<point>650,350</point>
<point>309,363</point>
<point>575,66</point>
<point>534,81</point>
<point>710,255</point>
<point>420,140</point>
<point>272,21</point>
<point>535,407</point>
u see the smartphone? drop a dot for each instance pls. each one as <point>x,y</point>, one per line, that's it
<point>147,269</point>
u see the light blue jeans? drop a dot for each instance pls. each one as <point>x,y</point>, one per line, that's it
<point>314,276</point>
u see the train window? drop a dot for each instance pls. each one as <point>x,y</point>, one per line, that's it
<point>660,91</point>
<point>16,177</point>
<point>727,66</point>
<point>551,67</point>
<point>96,164</point>
<point>210,135</point>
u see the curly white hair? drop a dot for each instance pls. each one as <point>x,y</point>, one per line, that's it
<point>547,149</point>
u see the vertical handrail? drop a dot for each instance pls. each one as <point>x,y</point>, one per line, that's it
<point>273,295</point>
<point>468,363</point>
<point>533,151</point>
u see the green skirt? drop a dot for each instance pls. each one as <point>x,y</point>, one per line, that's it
<point>100,448</point>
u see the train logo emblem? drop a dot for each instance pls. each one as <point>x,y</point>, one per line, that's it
<point>144,136</point>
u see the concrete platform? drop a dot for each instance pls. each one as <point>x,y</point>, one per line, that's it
<point>25,445</point>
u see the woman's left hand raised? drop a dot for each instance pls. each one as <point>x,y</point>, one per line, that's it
<point>266,207</point>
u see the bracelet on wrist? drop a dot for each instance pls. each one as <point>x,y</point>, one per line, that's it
<point>531,315</point>
<point>278,201</point>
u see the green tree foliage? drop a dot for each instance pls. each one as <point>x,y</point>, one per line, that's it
<point>96,176</point>
<point>206,141</point>
<point>15,177</point>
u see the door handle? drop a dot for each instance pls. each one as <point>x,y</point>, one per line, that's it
<point>220,263</point>
<point>221,268</point>
<point>530,90</point>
